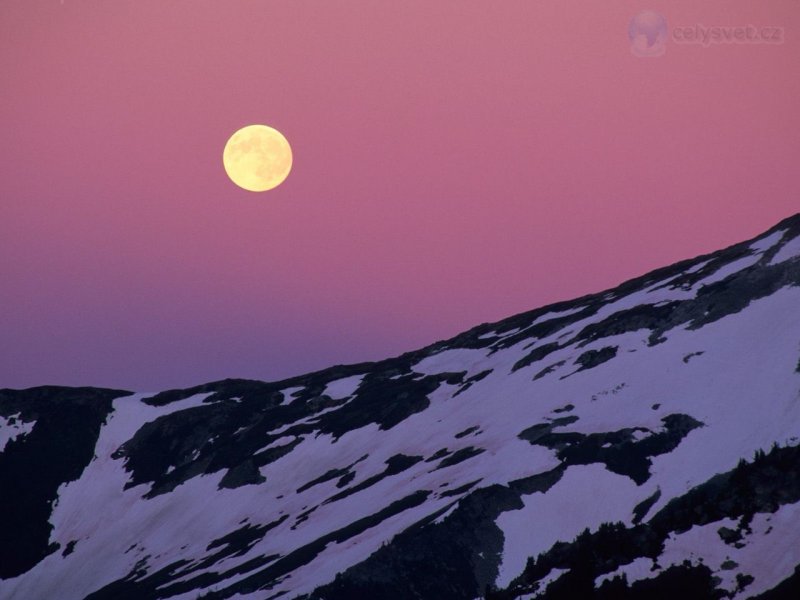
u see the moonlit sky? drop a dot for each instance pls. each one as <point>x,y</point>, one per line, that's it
<point>455,162</point>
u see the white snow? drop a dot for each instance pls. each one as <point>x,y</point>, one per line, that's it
<point>10,432</point>
<point>288,392</point>
<point>342,388</point>
<point>697,267</point>
<point>790,249</point>
<point>767,242</point>
<point>545,582</point>
<point>493,334</point>
<point>640,568</point>
<point>452,360</point>
<point>586,496</point>
<point>698,389</point>
<point>730,268</point>
<point>122,519</point>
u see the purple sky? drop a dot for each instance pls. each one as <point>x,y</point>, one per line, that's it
<point>455,162</point>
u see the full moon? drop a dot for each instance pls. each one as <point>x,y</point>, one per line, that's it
<point>257,158</point>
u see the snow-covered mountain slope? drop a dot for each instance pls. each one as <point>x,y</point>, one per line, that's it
<point>643,442</point>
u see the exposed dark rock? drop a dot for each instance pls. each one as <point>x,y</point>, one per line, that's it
<point>344,475</point>
<point>541,482</point>
<point>460,490</point>
<point>176,578</point>
<point>32,467</point>
<point>265,578</point>
<point>222,390</point>
<point>659,319</point>
<point>467,431</point>
<point>238,542</point>
<point>535,432</point>
<point>548,370</point>
<point>232,430</point>
<point>394,465</point>
<point>618,450</point>
<point>332,474</point>
<point>743,580</point>
<point>691,355</point>
<point>384,401</point>
<point>729,536</point>
<point>564,421</point>
<point>592,358</point>
<point>460,456</point>
<point>535,355</point>
<point>245,473</point>
<point>413,565</point>
<point>644,316</point>
<point>686,581</point>
<point>346,479</point>
<point>441,453</point>
<point>590,306</point>
<point>70,548</point>
<point>640,510</point>
<point>763,485</point>
<point>472,380</point>
<point>174,448</point>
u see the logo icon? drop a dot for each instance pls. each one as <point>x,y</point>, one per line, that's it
<point>647,33</point>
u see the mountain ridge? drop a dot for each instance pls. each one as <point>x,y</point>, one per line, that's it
<point>382,476</point>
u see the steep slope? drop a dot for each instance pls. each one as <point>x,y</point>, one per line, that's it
<point>626,444</point>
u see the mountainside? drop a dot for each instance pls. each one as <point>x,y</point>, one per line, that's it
<point>643,442</point>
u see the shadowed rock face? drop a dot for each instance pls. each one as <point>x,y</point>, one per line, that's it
<point>592,358</point>
<point>545,453</point>
<point>619,450</point>
<point>231,432</point>
<point>59,446</point>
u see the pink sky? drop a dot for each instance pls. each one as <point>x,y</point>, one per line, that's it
<point>454,162</point>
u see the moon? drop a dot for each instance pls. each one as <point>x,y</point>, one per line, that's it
<point>257,158</point>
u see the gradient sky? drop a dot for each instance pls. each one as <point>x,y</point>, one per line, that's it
<point>455,162</point>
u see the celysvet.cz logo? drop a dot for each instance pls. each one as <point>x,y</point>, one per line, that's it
<point>649,33</point>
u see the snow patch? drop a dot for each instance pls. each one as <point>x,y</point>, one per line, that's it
<point>767,242</point>
<point>288,392</point>
<point>697,267</point>
<point>558,314</point>
<point>640,568</point>
<point>586,496</point>
<point>342,388</point>
<point>731,268</point>
<point>544,583</point>
<point>790,250</point>
<point>11,431</point>
<point>450,361</point>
